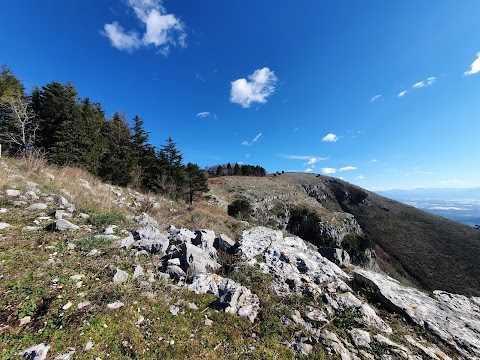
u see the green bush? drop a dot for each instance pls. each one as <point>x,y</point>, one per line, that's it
<point>240,208</point>
<point>103,218</point>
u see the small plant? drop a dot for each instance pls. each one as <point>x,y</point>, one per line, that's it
<point>103,218</point>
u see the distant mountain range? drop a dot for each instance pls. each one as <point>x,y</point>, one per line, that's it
<point>459,204</point>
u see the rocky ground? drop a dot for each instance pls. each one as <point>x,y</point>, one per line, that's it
<point>114,280</point>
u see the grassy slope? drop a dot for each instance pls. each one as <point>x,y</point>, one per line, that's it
<point>427,250</point>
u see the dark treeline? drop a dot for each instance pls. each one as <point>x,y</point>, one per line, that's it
<point>236,170</point>
<point>71,131</point>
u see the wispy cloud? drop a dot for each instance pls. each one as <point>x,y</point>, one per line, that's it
<point>161,29</point>
<point>329,171</point>
<point>376,98</point>
<point>259,86</point>
<point>204,114</point>
<point>314,160</point>
<point>330,138</point>
<point>428,82</point>
<point>402,94</point>
<point>475,67</point>
<point>374,160</point>
<point>452,182</point>
<point>308,170</point>
<point>253,141</point>
<point>360,177</point>
<point>347,168</point>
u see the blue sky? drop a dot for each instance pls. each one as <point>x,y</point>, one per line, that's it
<point>383,94</point>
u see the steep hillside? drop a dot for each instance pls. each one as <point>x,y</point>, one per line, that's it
<point>428,250</point>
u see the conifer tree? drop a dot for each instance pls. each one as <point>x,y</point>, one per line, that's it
<point>10,85</point>
<point>117,162</point>
<point>196,181</point>
<point>172,170</point>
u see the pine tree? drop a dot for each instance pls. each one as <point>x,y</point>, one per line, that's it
<point>237,170</point>
<point>196,181</point>
<point>172,170</point>
<point>10,85</point>
<point>117,162</point>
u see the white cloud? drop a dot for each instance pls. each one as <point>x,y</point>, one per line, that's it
<point>253,141</point>
<point>402,94</point>
<point>376,98</point>
<point>428,82</point>
<point>328,171</point>
<point>374,160</point>
<point>475,67</point>
<point>347,168</point>
<point>330,138</point>
<point>314,160</point>
<point>203,114</point>
<point>360,177</point>
<point>161,29</point>
<point>452,182</point>
<point>259,86</point>
<point>308,170</point>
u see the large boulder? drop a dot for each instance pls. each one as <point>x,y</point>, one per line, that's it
<point>36,352</point>
<point>224,243</point>
<point>205,240</point>
<point>453,318</point>
<point>195,260</point>
<point>338,256</point>
<point>231,296</point>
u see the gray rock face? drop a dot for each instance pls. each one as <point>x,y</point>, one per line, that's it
<point>125,242</point>
<point>195,260</point>
<point>180,236</point>
<point>149,238</point>
<point>205,240</point>
<point>64,225</point>
<point>338,256</point>
<point>453,318</point>
<point>360,338</point>
<point>335,233</point>
<point>36,352</point>
<point>235,298</point>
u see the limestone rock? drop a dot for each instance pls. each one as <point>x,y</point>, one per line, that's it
<point>120,276</point>
<point>196,260</point>
<point>12,192</point>
<point>205,239</point>
<point>63,225</point>
<point>338,256</point>
<point>125,242</point>
<point>175,272</point>
<point>233,297</point>
<point>3,225</point>
<point>360,338</point>
<point>453,318</point>
<point>138,271</point>
<point>36,352</point>
<point>37,206</point>
<point>115,305</point>
<point>223,242</point>
<point>180,236</point>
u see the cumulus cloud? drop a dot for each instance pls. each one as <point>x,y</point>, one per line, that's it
<point>259,86</point>
<point>308,170</point>
<point>376,98</point>
<point>347,168</point>
<point>428,82</point>
<point>330,138</point>
<point>161,29</point>
<point>475,67</point>
<point>329,171</point>
<point>203,114</point>
<point>253,141</point>
<point>402,94</point>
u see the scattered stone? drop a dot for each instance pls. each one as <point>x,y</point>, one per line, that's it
<point>196,260</point>
<point>67,305</point>
<point>65,192</point>
<point>31,228</point>
<point>3,225</point>
<point>93,252</point>
<point>110,230</point>
<point>89,346</point>
<point>125,243</point>
<point>77,277</point>
<point>66,356</point>
<point>3,210</point>
<point>360,338</point>
<point>174,310</point>
<point>12,193</point>
<point>85,184</point>
<point>83,304</point>
<point>36,352</point>
<point>63,225</point>
<point>138,271</point>
<point>231,296</point>
<point>31,195</point>
<point>120,276</point>
<point>25,320</point>
<point>31,185</point>
<point>83,216</point>
<point>208,322</point>
<point>115,305</point>
<point>175,272</point>
<point>303,346</point>
<point>37,206</point>
<point>71,246</point>
<point>193,306</point>
<point>50,176</point>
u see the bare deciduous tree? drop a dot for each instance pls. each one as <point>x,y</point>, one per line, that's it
<point>19,124</point>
